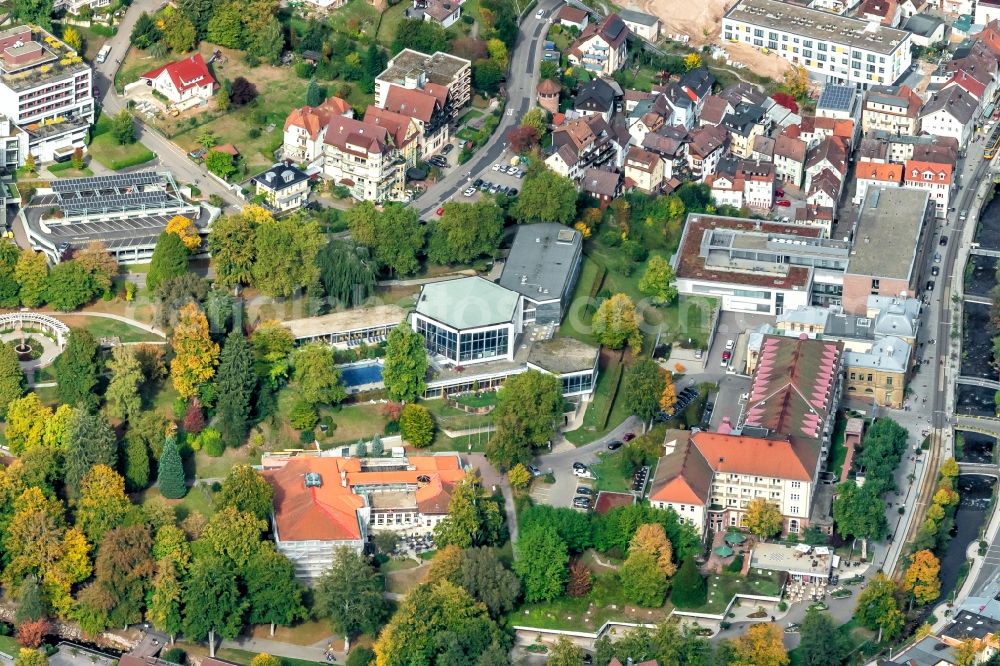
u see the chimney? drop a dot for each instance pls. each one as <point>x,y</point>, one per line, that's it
<point>343,478</point>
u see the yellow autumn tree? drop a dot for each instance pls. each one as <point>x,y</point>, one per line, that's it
<point>968,652</point>
<point>922,577</point>
<point>650,538</point>
<point>761,645</point>
<point>762,518</point>
<point>195,355</point>
<point>184,228</point>
<point>945,497</point>
<point>692,61</point>
<point>669,396</point>
<point>949,468</point>
<point>796,82</point>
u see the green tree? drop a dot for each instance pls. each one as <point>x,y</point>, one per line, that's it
<point>220,163</point>
<point>878,609</point>
<point>136,462</point>
<point>538,119</point>
<point>35,12</point>
<point>170,260</point>
<point>424,36</point>
<point>9,286</point>
<point>164,608</point>
<point>234,535</point>
<point>314,96</point>
<point>821,644</point>
<point>123,127</point>
<point>465,232</point>
<point>144,33</point>
<point>658,281</point>
<point>474,518</point>
<point>545,197</point>
<point>859,511</point>
<point>31,605</point>
<point>235,383</point>
<point>275,597</point>
<point>12,379</point>
<point>394,234</point>
<point>484,576</point>
<point>90,442</point>
<point>233,247</point>
<point>225,28</point>
<point>245,489</point>
<point>642,387</point>
<point>122,396</point>
<point>405,364</point>
<point>268,42</point>
<point>123,570</point>
<point>281,274</point>
<point>32,274</point>
<point>170,472</point>
<point>616,323</point>
<point>103,503</point>
<point>317,376</point>
<point>212,601</point>
<point>542,564</point>
<point>565,653</point>
<point>350,595</point>
<point>487,75</point>
<point>529,407</point>
<point>689,589</point>
<point>642,580</point>
<point>347,272</point>
<point>69,286</point>
<point>416,425</point>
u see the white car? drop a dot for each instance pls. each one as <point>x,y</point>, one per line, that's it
<point>469,191</point>
<point>730,345</point>
<point>583,473</point>
<point>496,167</point>
<point>540,14</point>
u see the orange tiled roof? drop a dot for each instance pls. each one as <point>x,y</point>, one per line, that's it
<point>915,171</point>
<point>880,171</point>
<point>733,454</point>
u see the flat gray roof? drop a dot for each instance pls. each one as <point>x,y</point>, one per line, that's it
<point>345,321</point>
<point>440,68</point>
<point>817,24</point>
<point>889,228</point>
<point>542,260</point>
<point>632,16</point>
<point>561,356</point>
<point>465,303</point>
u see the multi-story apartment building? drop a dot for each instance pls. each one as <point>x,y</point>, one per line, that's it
<point>434,74</point>
<point>789,159</point>
<point>601,48</point>
<point>361,156</point>
<point>830,47</point>
<point>582,143</point>
<point>46,90</point>
<point>936,179</point>
<point>305,128</point>
<point>705,149</point>
<point>950,112</point>
<point>875,174</point>
<point>284,187</point>
<point>892,109</point>
<point>644,169</point>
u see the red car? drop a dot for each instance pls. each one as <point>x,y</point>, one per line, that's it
<point>441,210</point>
<point>784,203</point>
<point>779,193</point>
<point>727,355</point>
<point>628,437</point>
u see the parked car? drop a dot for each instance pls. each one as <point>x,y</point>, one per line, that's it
<point>937,257</point>
<point>540,14</point>
<point>439,211</point>
<point>963,215</point>
<point>584,490</point>
<point>935,270</point>
<point>512,192</point>
<point>943,241</point>
<point>579,465</point>
<point>698,354</point>
<point>469,191</point>
<point>779,192</point>
<point>730,345</point>
<point>628,437</point>
<point>448,148</point>
<point>581,503</point>
<point>930,285</point>
<point>784,203</point>
<point>534,470</point>
<point>726,355</point>
<point>614,445</point>
<point>583,473</point>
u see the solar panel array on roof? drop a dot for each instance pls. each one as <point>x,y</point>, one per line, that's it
<point>117,181</point>
<point>836,97</point>
<point>137,200</point>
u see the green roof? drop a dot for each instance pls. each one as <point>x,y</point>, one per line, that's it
<point>465,303</point>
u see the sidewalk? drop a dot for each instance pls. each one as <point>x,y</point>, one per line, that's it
<point>315,652</point>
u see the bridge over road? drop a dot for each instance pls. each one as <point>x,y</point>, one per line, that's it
<point>980,469</point>
<point>979,381</point>
<point>981,424</point>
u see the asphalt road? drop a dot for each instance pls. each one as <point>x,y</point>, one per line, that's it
<point>168,154</point>
<point>524,59</point>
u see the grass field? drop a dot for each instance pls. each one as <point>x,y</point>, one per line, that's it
<point>610,475</point>
<point>450,418</point>
<point>391,20</point>
<point>590,428</point>
<point>66,170</point>
<point>101,327</point>
<point>198,499</point>
<point>354,422</point>
<point>106,150</point>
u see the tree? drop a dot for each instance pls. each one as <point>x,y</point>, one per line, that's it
<point>421,35</point>
<point>212,601</point>
<point>474,518</point>
<point>348,273</point>
<point>122,396</point>
<point>68,286</point>
<point>123,128</point>
<point>220,163</point>
<point>405,365</point>
<point>31,657</point>
<point>762,518</point>
<point>796,82</point>
<point>235,383</point>
<point>32,273</point>
<point>179,34</point>
<point>90,442</point>
<point>231,243</point>
<point>616,323</point>
<point>264,659</point>
<point>416,425</point>
<point>195,354</point>
<point>522,138</point>
<point>484,576</point>
<point>668,397</point>
<point>349,595</point>
<point>103,503</point>
<point>437,624</point>
<point>35,12</point>
<point>234,536</point>
<point>267,42</point>
<point>519,477</point>
<point>642,580</point>
<point>316,375</point>
<point>878,609</point>
<point>12,379</point>
<point>529,407</point>
<point>565,653</point>
<point>170,472</point>
<point>26,419</point>
<point>689,589</point>
<point>859,512</point>
<point>123,569</point>
<point>446,564</point>
<point>949,468</point>
<point>360,656</point>
<point>652,538</point>
<point>222,99</point>
<point>170,260</point>
<point>136,462</point>
<point>642,387</point>
<point>31,605</point>
<point>541,564</point>
<point>486,76</point>
<point>274,594</point>
<point>225,28</point>
<point>145,33</point>
<point>245,489</point>
<point>185,230</point>
<point>281,274</point>
<point>545,197</point>
<point>466,232</point>
<point>243,92</point>
<point>692,61</point>
<point>658,281</point>
<point>821,644</point>
<point>314,96</point>
<point>538,118</point>
<point>580,580</point>
<point>9,255</point>
<point>786,100</point>
<point>922,578</point>
<point>394,234</point>
<point>761,645</point>
<point>99,264</point>
<point>164,608</point>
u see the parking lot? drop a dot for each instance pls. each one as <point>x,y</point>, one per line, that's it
<point>501,179</point>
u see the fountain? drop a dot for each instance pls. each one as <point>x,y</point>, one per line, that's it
<point>23,349</point>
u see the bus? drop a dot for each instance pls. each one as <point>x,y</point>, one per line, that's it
<point>103,54</point>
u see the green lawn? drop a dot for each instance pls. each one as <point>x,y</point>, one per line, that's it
<point>722,587</point>
<point>591,429</point>
<point>101,327</point>
<point>610,474</point>
<point>357,16</point>
<point>198,499</point>
<point>66,170</point>
<point>106,150</point>
<point>9,645</point>
<point>604,602</point>
<point>392,18</point>
<point>469,116</point>
<point>398,564</point>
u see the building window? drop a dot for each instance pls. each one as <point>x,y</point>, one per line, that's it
<point>796,484</point>
<point>438,340</point>
<point>794,497</point>
<point>793,526</point>
<point>875,285</point>
<point>483,344</point>
<point>888,381</point>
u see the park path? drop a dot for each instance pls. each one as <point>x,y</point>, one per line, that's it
<point>108,315</point>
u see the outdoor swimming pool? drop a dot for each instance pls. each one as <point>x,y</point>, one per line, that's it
<point>365,373</point>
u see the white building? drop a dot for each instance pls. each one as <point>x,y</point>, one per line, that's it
<point>830,47</point>
<point>306,126</point>
<point>645,26</point>
<point>875,174</point>
<point>447,77</point>
<point>361,157</point>
<point>184,82</point>
<point>936,179</point>
<point>601,48</point>
<point>950,112</point>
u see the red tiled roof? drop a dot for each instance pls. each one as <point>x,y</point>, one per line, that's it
<point>314,118</point>
<point>411,102</point>
<point>356,137</point>
<point>915,170</point>
<point>396,124</point>
<point>571,14</point>
<point>734,454</point>
<point>880,171</point>
<point>607,501</point>
<point>184,74</point>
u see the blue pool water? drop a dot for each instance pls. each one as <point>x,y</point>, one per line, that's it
<point>361,374</point>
